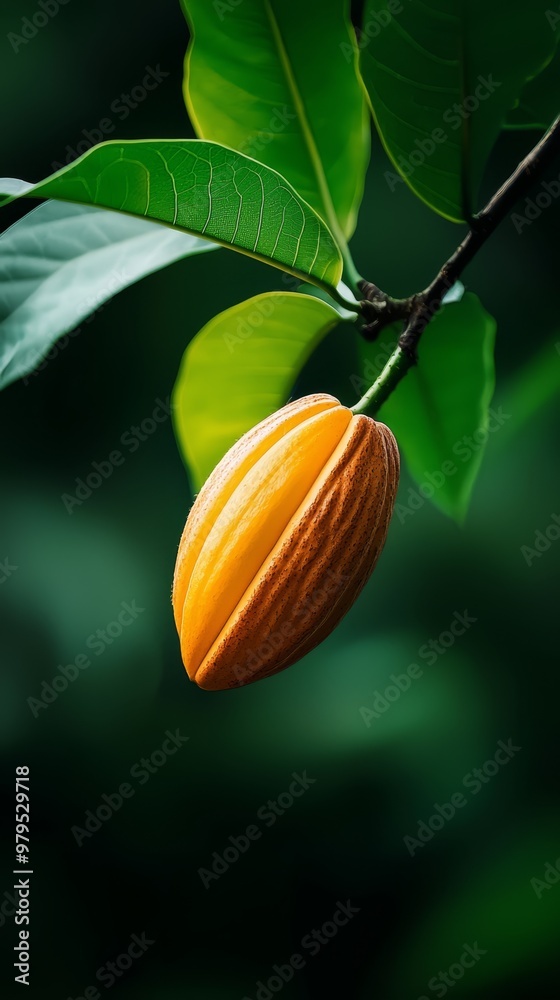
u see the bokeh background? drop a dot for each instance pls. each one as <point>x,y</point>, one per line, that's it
<point>343,840</point>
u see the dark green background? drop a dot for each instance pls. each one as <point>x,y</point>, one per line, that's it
<point>343,840</point>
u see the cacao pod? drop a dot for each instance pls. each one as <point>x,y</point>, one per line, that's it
<point>281,539</point>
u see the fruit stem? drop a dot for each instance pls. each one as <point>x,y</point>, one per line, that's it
<point>395,369</point>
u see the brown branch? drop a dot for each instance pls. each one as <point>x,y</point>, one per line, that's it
<point>419,309</point>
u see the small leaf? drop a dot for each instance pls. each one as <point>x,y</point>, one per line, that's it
<point>61,262</point>
<point>439,412</point>
<point>255,80</point>
<point>441,79</point>
<point>206,190</point>
<point>455,293</point>
<point>240,368</point>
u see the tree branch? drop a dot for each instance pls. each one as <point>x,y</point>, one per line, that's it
<point>381,310</point>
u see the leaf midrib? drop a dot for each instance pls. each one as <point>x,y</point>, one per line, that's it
<point>313,152</point>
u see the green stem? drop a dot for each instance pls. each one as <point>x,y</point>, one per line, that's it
<point>351,275</point>
<point>395,369</point>
<point>424,306</point>
<point>339,297</point>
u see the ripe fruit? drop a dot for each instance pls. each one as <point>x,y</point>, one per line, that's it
<point>281,539</point>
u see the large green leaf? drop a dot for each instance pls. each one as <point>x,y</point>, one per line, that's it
<point>441,79</point>
<point>240,368</point>
<point>62,262</point>
<point>439,412</point>
<point>278,79</point>
<point>203,189</point>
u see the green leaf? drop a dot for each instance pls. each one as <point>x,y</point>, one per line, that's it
<point>62,262</point>
<point>277,79</point>
<point>539,103</point>
<point>240,368</point>
<point>203,189</point>
<point>439,412</point>
<point>441,79</point>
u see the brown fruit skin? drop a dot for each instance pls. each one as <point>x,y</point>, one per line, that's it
<point>319,566</point>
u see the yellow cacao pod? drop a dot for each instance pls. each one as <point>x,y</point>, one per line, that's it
<point>281,539</point>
